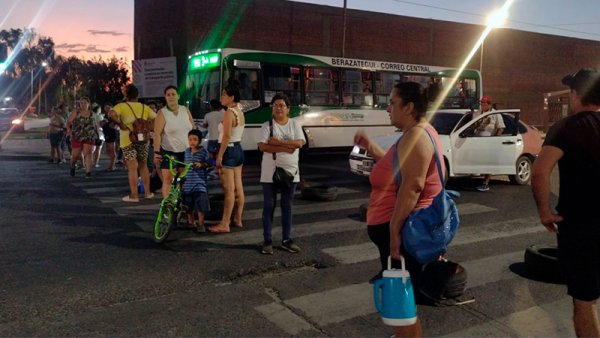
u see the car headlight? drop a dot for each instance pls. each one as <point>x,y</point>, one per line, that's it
<point>17,121</point>
<point>356,150</point>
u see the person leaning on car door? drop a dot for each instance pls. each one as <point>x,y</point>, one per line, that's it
<point>492,125</point>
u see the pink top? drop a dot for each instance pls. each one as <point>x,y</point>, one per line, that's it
<point>384,188</point>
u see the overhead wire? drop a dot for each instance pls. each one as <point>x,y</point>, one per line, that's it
<point>554,27</point>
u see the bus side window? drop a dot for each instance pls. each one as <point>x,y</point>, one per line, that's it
<point>321,86</point>
<point>356,88</point>
<point>282,79</point>
<point>384,82</point>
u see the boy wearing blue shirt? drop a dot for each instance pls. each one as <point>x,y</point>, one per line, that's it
<point>195,190</point>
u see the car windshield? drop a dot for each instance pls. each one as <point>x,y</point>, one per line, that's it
<point>444,123</point>
<point>7,112</point>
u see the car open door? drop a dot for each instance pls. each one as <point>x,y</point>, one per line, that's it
<point>472,154</point>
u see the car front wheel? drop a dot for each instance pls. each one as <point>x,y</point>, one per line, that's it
<point>523,175</point>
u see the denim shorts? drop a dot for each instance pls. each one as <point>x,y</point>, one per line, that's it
<point>196,201</point>
<point>233,156</point>
<point>164,164</point>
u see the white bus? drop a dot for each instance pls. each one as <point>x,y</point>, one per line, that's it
<point>331,97</point>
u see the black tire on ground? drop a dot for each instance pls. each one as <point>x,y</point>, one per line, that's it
<point>457,284</point>
<point>362,212</point>
<point>541,262</point>
<point>318,192</point>
<point>523,166</point>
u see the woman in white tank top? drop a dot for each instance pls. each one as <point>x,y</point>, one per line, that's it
<point>171,128</point>
<point>230,159</point>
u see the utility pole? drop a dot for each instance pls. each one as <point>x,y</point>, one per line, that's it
<point>344,32</point>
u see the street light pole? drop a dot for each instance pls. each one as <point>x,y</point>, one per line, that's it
<point>31,88</point>
<point>39,96</point>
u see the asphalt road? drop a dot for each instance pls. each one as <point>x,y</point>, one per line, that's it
<point>76,261</point>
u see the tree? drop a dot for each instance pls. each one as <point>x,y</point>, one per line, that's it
<point>64,79</point>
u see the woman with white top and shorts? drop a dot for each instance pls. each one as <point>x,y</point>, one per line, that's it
<point>171,128</point>
<point>230,159</point>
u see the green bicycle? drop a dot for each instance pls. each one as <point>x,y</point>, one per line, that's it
<point>171,207</point>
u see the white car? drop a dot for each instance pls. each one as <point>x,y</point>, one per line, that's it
<point>511,153</point>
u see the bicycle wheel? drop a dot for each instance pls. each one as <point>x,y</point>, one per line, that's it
<point>165,221</point>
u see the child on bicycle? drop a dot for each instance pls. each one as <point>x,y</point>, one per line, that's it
<point>195,190</point>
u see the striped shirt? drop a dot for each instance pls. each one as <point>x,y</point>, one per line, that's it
<point>196,178</point>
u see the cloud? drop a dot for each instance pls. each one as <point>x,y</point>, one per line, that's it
<point>81,48</point>
<point>69,45</point>
<point>122,49</point>
<point>95,49</point>
<point>97,32</point>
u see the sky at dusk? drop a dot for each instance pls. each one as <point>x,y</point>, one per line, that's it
<point>86,28</point>
<point>104,28</point>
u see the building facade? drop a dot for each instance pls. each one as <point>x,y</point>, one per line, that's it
<point>517,67</point>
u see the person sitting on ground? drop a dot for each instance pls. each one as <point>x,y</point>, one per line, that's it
<point>195,187</point>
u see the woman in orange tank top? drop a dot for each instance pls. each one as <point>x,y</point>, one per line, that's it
<point>399,188</point>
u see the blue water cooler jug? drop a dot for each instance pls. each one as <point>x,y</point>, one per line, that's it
<point>394,298</point>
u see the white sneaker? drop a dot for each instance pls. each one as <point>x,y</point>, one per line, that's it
<point>150,195</point>
<point>129,199</point>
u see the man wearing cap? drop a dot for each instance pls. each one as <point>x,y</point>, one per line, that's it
<point>491,125</point>
<point>574,143</point>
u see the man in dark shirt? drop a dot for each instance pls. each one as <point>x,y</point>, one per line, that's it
<point>574,143</point>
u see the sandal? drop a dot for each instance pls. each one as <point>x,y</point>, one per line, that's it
<point>218,230</point>
<point>200,228</point>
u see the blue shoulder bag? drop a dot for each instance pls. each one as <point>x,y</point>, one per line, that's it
<point>428,231</point>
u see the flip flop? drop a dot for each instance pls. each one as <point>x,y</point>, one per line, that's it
<point>218,230</point>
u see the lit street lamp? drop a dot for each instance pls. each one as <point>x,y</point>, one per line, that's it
<point>494,20</point>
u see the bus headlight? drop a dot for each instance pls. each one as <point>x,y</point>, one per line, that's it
<point>17,121</point>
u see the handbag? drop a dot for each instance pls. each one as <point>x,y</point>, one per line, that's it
<point>428,231</point>
<point>281,177</point>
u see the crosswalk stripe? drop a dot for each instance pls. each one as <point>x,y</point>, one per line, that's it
<point>298,231</point>
<point>346,302</point>
<point>284,318</point>
<point>353,253</point>
<point>473,208</point>
<point>336,305</point>
<point>547,320</point>
<point>310,208</point>
<point>466,235</point>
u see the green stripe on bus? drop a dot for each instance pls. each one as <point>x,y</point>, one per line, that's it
<point>286,59</point>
